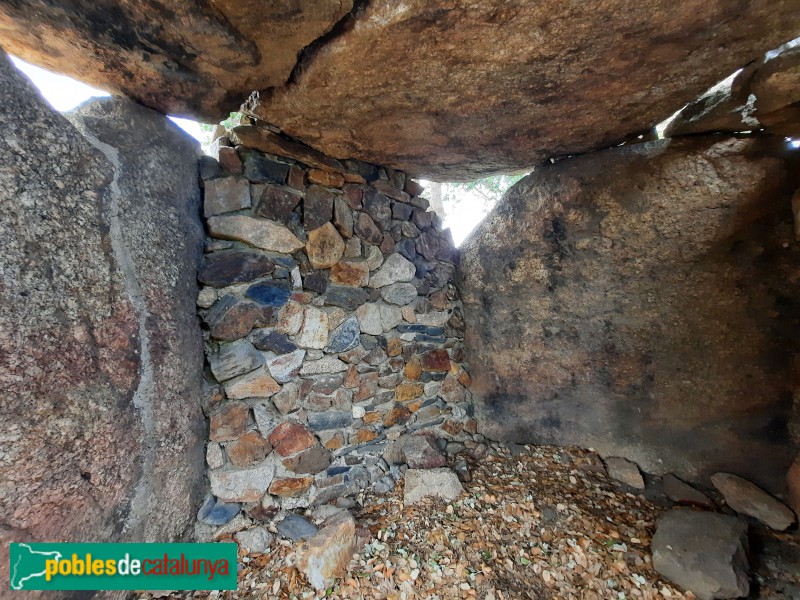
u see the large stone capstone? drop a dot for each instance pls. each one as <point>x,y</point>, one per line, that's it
<point>100,350</point>
<point>432,87</point>
<point>641,301</point>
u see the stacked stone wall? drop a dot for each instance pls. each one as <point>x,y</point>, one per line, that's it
<point>332,325</point>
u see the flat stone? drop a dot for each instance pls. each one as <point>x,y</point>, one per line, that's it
<point>402,211</point>
<point>291,437</point>
<point>296,528</point>
<point>242,485</point>
<point>749,499</point>
<point>273,143</point>
<point>313,460</point>
<point>369,318</point>
<point>291,486</point>
<point>397,415</point>
<point>343,217</point>
<point>352,248</point>
<point>256,384</point>
<point>431,483</point>
<point>354,272</point>
<point>317,207</point>
<point>314,332</point>
<point>327,364</point>
<point>681,492</point>
<point>394,269</point>
<point>316,281</point>
<point>216,512</point>
<point>408,391</point>
<point>324,247</point>
<point>255,541</point>
<point>259,233</point>
<point>277,203</point>
<point>390,189</point>
<point>346,297</point>
<point>272,341</point>
<point>365,228</point>
<point>407,248</point>
<point>238,320</point>
<point>329,420</point>
<point>326,555</point>
<point>399,293</point>
<point>290,318</point>
<point>270,293</point>
<point>230,422</point>
<point>260,169</point>
<point>288,399</point>
<point>236,358</point>
<point>345,337</point>
<point>377,206</point>
<point>391,317</point>
<point>285,367</point>
<point>428,245</point>
<point>436,361</point>
<point>433,318</point>
<point>229,160</point>
<point>703,552</point>
<point>326,178</point>
<point>225,194</point>
<point>625,471</point>
<point>248,450</point>
<point>222,269</point>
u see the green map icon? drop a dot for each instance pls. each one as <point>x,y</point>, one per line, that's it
<point>27,565</point>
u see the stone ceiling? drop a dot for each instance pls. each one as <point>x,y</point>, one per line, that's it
<point>451,90</point>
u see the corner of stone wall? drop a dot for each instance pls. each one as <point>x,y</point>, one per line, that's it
<point>333,326</point>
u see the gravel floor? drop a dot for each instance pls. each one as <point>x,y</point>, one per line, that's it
<point>544,524</point>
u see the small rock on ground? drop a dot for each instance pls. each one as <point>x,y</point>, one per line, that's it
<point>624,471</point>
<point>296,528</point>
<point>681,492</point>
<point>431,483</point>
<point>257,540</point>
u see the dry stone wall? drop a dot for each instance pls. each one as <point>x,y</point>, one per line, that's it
<point>332,324</point>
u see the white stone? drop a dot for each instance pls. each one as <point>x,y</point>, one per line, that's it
<point>290,318</point>
<point>373,255</point>
<point>314,332</point>
<point>431,483</point>
<point>391,317</point>
<point>284,368</point>
<point>267,419</point>
<point>242,485</point>
<point>432,388</point>
<point>206,297</point>
<point>297,279</point>
<point>214,456</point>
<point>369,318</point>
<point>257,540</point>
<point>359,412</point>
<point>260,233</point>
<point>395,269</point>
<point>433,318</point>
<point>329,364</point>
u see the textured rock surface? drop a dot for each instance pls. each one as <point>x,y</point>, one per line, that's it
<point>478,107</point>
<point>703,552</point>
<point>100,349</point>
<point>431,483</point>
<point>624,471</point>
<point>481,87</point>
<point>652,285</point>
<point>178,57</point>
<point>326,555</point>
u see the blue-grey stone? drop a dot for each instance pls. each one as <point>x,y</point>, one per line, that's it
<point>216,512</point>
<point>272,341</point>
<point>296,528</point>
<point>407,247</point>
<point>344,337</point>
<point>260,169</point>
<point>412,328</point>
<point>286,262</point>
<point>270,293</point>
<point>337,470</point>
<point>430,339</point>
<point>348,298</point>
<point>332,419</point>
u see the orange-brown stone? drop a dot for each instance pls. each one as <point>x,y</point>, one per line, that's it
<point>248,450</point>
<point>230,422</point>
<point>399,415</point>
<point>291,487</point>
<point>452,427</point>
<point>371,417</point>
<point>464,379</point>
<point>408,391</point>
<point>351,379</point>
<point>291,437</point>
<point>413,369</point>
<point>363,435</point>
<point>394,347</point>
<point>354,273</point>
<point>437,361</point>
<point>326,178</point>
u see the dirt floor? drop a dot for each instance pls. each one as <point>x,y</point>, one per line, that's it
<point>539,523</point>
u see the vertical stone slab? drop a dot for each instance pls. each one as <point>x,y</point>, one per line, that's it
<point>100,350</point>
<point>642,301</point>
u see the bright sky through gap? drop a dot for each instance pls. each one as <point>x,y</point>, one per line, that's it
<point>64,93</point>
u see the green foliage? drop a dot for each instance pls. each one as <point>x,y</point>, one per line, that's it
<point>233,120</point>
